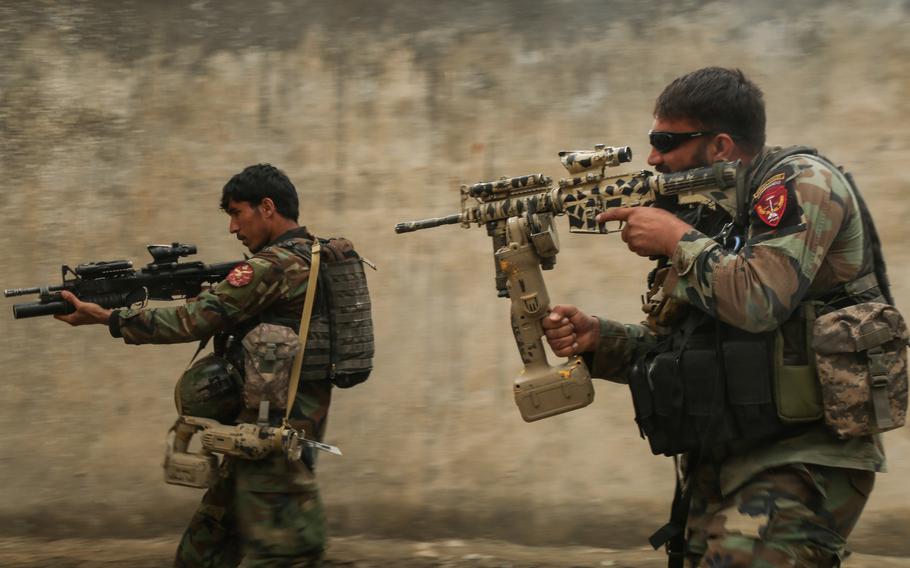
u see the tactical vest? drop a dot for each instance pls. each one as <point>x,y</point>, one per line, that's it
<point>717,389</point>
<point>340,344</point>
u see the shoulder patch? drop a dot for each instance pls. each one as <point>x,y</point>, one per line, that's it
<point>241,275</point>
<point>771,200</point>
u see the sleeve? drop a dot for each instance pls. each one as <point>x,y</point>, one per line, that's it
<point>795,216</point>
<point>618,348</point>
<point>249,289</point>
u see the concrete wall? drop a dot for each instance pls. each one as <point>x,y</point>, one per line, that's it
<point>120,122</point>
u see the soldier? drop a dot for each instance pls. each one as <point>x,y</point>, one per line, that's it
<point>267,511</point>
<point>764,482</point>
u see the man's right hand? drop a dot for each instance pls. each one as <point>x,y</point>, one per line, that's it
<point>570,331</point>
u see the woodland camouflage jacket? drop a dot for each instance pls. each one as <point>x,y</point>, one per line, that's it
<point>275,278</point>
<point>805,236</point>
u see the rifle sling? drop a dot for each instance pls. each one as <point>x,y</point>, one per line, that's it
<point>304,327</point>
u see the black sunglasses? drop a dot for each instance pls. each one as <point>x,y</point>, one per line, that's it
<point>665,142</point>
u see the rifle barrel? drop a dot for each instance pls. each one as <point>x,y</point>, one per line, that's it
<point>409,226</point>
<point>10,292</point>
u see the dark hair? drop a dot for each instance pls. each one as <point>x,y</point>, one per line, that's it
<point>255,183</point>
<point>720,100</point>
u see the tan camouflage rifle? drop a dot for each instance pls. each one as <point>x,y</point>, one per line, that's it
<point>518,214</point>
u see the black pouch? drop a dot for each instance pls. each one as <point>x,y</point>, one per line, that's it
<point>659,398</point>
<point>704,396</point>
<point>642,402</point>
<point>749,395</point>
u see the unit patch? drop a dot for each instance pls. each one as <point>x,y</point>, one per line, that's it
<point>241,275</point>
<point>771,200</point>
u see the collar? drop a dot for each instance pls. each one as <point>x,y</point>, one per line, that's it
<point>295,233</point>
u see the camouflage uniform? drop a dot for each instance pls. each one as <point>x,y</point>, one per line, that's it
<point>267,511</point>
<point>793,501</point>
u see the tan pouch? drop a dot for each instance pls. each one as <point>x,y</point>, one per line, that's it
<point>861,358</point>
<point>268,355</point>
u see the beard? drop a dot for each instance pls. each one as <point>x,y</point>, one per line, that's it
<point>700,160</point>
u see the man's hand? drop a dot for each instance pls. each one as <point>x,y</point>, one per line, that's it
<point>648,231</point>
<point>570,331</point>
<point>86,312</point>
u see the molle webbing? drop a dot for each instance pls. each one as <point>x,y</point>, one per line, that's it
<point>340,343</point>
<point>350,316</point>
<point>318,350</point>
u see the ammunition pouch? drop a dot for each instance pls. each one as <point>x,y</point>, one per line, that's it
<point>721,391</point>
<point>268,350</point>
<point>861,355</point>
<point>713,391</point>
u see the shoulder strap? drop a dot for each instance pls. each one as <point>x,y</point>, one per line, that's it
<point>304,327</point>
<point>878,258</point>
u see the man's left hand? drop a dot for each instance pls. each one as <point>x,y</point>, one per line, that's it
<point>86,312</point>
<point>648,231</point>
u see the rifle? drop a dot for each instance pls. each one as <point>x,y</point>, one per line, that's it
<point>115,284</point>
<point>518,214</point>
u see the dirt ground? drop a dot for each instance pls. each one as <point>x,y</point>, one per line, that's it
<point>359,552</point>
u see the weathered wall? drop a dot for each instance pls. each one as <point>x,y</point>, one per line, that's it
<point>120,121</point>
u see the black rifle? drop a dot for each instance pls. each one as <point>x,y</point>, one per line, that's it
<point>115,284</point>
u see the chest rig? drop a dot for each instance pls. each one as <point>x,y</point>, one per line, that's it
<point>711,388</point>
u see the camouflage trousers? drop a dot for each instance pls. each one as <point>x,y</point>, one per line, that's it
<point>792,515</point>
<point>265,513</point>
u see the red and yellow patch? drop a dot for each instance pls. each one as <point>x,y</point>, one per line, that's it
<point>241,275</point>
<point>771,201</point>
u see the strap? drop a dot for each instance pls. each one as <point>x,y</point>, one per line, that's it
<point>673,534</point>
<point>863,285</point>
<point>871,337</point>
<point>879,387</point>
<point>304,326</point>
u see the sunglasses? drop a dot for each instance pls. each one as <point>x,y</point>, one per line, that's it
<point>665,142</point>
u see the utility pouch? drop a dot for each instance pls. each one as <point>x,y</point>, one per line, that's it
<point>268,353</point>
<point>658,396</point>
<point>796,384</point>
<point>861,357</point>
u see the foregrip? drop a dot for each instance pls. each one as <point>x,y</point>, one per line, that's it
<point>721,175</point>
<point>530,301</point>
<point>541,390</point>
